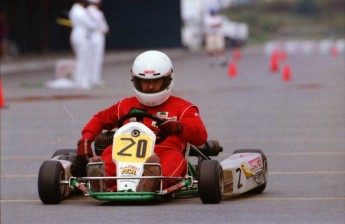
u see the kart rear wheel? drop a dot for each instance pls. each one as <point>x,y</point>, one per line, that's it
<point>49,189</point>
<point>261,188</point>
<point>78,166</point>
<point>64,152</point>
<point>210,181</point>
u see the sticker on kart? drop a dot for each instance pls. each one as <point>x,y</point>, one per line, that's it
<point>132,149</point>
<point>134,144</point>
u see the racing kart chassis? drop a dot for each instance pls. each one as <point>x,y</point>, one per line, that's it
<point>56,180</point>
<point>244,171</point>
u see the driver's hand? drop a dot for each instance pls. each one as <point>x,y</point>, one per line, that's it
<point>84,150</point>
<point>96,159</point>
<point>170,127</point>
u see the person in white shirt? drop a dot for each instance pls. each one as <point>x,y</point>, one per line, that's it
<point>83,27</point>
<point>214,38</point>
<point>98,40</point>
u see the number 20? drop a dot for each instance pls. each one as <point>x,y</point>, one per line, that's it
<point>141,148</point>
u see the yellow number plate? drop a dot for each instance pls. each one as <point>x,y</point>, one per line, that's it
<point>127,148</point>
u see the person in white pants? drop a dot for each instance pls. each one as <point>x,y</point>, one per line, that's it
<point>83,27</point>
<point>215,42</point>
<point>98,41</point>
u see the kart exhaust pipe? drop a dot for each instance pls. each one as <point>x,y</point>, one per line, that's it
<point>103,140</point>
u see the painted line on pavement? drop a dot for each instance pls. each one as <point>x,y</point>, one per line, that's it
<point>37,200</point>
<point>290,199</point>
<point>23,158</point>
<point>18,175</point>
<point>305,153</point>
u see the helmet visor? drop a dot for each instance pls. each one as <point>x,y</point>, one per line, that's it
<point>152,85</point>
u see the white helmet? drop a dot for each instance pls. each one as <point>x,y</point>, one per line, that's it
<point>152,65</point>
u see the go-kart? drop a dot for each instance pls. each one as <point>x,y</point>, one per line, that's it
<point>132,143</point>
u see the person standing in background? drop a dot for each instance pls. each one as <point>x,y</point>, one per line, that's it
<point>98,40</point>
<point>83,27</point>
<point>214,38</point>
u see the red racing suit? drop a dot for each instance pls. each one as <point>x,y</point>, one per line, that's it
<point>171,151</point>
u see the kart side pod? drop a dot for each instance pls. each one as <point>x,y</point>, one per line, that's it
<point>245,171</point>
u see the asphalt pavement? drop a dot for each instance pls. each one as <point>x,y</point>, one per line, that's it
<point>298,122</point>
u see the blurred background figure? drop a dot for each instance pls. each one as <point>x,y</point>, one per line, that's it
<point>3,35</point>
<point>83,27</point>
<point>214,38</point>
<point>98,40</point>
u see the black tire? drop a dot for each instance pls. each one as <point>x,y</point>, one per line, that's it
<point>49,189</point>
<point>248,151</point>
<point>78,168</point>
<point>261,188</point>
<point>210,181</point>
<point>64,152</point>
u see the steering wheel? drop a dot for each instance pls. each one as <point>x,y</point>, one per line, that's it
<point>141,116</point>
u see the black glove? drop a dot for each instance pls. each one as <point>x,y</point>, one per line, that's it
<point>84,149</point>
<point>170,127</point>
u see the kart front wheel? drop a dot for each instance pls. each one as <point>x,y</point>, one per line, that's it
<point>210,181</point>
<point>49,189</point>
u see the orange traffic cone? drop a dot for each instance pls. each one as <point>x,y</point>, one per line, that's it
<point>274,61</point>
<point>286,76</point>
<point>232,69</point>
<point>2,100</point>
